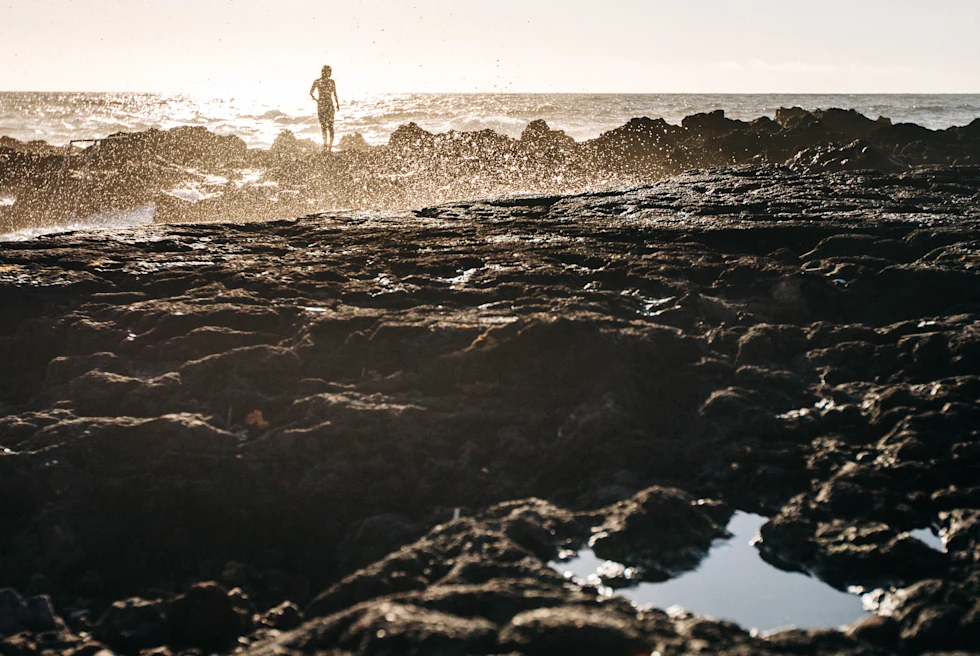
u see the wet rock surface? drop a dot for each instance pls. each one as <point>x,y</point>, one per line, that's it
<point>188,174</point>
<point>256,436</point>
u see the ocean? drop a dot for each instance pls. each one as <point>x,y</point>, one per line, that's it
<point>59,117</point>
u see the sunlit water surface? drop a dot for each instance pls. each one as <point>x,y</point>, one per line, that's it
<point>734,583</point>
<point>99,221</point>
<point>58,117</point>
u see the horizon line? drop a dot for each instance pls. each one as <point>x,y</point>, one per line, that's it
<point>245,94</point>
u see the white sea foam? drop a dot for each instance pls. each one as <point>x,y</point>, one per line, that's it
<point>58,117</point>
<point>100,221</point>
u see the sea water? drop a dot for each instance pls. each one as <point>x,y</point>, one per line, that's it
<point>59,117</point>
<point>130,218</point>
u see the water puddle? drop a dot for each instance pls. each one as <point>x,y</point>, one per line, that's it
<point>734,583</point>
<point>932,540</point>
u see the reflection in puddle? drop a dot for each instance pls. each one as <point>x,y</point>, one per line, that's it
<point>932,540</point>
<point>734,583</point>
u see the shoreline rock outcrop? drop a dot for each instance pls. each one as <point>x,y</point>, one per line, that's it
<point>254,436</point>
<point>188,174</point>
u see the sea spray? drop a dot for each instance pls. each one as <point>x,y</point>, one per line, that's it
<point>190,173</point>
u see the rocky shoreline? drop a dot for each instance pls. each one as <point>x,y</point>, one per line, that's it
<point>188,174</point>
<point>255,436</point>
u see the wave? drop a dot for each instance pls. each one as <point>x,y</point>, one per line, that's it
<point>512,127</point>
<point>273,114</point>
<point>57,117</point>
<point>99,221</point>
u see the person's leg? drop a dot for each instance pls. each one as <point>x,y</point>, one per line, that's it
<point>326,127</point>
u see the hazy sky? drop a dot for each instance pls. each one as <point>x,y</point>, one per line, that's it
<point>274,48</point>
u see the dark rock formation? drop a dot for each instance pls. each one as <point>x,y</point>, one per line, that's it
<point>133,624</point>
<point>299,408</point>
<point>209,617</point>
<point>856,156</point>
<point>354,141</point>
<point>34,614</point>
<point>661,531</point>
<point>538,136</point>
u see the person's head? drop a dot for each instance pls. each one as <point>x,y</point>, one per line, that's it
<point>326,71</point>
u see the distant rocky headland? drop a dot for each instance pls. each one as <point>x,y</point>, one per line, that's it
<point>190,174</point>
<point>369,432</point>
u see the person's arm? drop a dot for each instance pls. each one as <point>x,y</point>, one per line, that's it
<point>336,100</point>
<point>312,89</point>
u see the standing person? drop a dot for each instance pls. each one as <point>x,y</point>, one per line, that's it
<point>326,99</point>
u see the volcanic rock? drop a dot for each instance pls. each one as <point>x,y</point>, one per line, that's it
<point>413,413</point>
<point>855,156</point>
<point>133,624</point>
<point>664,532</point>
<point>209,617</point>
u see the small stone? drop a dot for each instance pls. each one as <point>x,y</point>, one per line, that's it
<point>11,611</point>
<point>233,573</point>
<point>91,648</point>
<point>40,616</point>
<point>132,624</point>
<point>284,617</point>
<point>876,629</point>
<point>208,617</point>
<point>571,630</point>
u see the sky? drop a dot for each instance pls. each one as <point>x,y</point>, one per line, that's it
<point>275,48</point>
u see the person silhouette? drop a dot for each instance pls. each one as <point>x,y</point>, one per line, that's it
<point>326,99</point>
